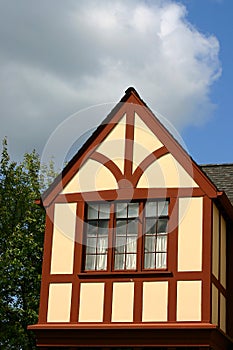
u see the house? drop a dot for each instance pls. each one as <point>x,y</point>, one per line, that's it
<point>138,243</point>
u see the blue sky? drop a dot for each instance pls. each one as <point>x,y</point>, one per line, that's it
<point>213,141</point>
<point>59,57</point>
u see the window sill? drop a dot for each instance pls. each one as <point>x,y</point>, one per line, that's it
<point>127,274</point>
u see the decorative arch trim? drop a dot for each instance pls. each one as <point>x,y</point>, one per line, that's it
<point>108,163</point>
<point>147,162</point>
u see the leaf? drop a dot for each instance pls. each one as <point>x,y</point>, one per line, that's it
<point>21,246</point>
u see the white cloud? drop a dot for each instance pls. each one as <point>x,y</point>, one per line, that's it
<point>57,57</point>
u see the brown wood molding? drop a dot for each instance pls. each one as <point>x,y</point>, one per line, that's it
<point>126,194</point>
<point>108,163</point>
<point>48,237</point>
<point>124,274</point>
<point>184,335</point>
<point>129,137</point>
<point>151,158</point>
<point>206,258</point>
<point>218,285</point>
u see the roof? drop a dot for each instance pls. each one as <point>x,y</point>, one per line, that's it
<point>130,91</point>
<point>132,98</point>
<point>222,176</point>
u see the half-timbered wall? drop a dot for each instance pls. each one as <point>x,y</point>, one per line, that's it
<point>133,159</point>
<point>167,295</point>
<point>155,295</point>
<point>218,315</point>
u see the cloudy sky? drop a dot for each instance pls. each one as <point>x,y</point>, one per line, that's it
<point>59,57</point>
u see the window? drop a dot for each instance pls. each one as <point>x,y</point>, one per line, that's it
<point>155,235</point>
<point>126,235</point>
<point>97,227</point>
<point>112,231</point>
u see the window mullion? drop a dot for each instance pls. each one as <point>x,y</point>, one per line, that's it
<point>156,239</point>
<point>110,238</point>
<point>140,253</point>
<point>126,239</point>
<point>97,241</point>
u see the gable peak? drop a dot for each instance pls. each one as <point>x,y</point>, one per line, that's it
<point>130,90</point>
<point>132,96</point>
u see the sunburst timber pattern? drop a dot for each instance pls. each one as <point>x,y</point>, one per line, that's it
<point>131,155</point>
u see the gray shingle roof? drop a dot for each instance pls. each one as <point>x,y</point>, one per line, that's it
<point>222,176</point>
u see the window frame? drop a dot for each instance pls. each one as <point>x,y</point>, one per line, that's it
<point>98,219</point>
<point>155,234</point>
<point>140,238</point>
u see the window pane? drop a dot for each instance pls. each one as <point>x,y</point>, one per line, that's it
<point>131,262</point>
<point>162,226</point>
<point>101,262</point>
<point>103,227</point>
<point>161,245</point>
<point>151,209</point>
<point>119,262</point>
<point>132,227</point>
<point>120,244</point>
<point>161,260</point>
<point>132,244</point>
<point>102,244</point>
<point>104,211</point>
<point>121,210</point>
<point>162,208</point>
<point>121,227</point>
<point>133,210</point>
<point>92,228</point>
<point>90,262</point>
<point>92,212</point>
<point>91,245</point>
<point>149,261</point>
<point>150,243</point>
<point>150,226</point>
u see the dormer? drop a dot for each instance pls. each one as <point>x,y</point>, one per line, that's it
<point>137,243</point>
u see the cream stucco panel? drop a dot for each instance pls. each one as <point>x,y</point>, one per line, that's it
<point>113,146</point>
<point>122,302</point>
<point>215,243</point>
<point>93,176</point>
<point>91,303</point>
<point>105,180</point>
<point>223,253</point>
<point>120,162</point>
<point>222,313</point>
<point>145,142</point>
<point>189,300</point>
<point>190,234</point>
<point>214,316</point>
<point>166,172</point>
<point>59,302</point>
<point>155,301</point>
<point>63,238</point>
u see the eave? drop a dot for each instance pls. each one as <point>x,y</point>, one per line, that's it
<point>138,335</point>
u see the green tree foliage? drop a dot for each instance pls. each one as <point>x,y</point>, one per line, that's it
<point>21,245</point>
